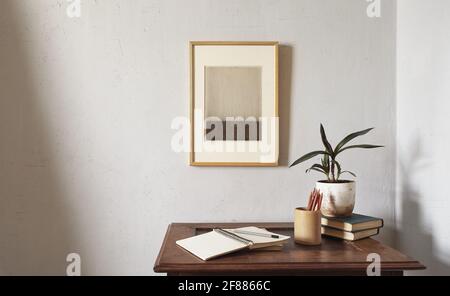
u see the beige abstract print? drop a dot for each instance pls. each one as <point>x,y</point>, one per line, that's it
<point>233,103</point>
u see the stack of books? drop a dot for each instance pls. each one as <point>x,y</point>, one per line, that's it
<point>351,228</point>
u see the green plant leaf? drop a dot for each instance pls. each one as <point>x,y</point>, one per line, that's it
<point>316,166</point>
<point>318,170</point>
<point>326,163</point>
<point>364,146</point>
<point>325,142</point>
<point>348,172</point>
<point>339,170</point>
<point>351,137</point>
<point>307,157</point>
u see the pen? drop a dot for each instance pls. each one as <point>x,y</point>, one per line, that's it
<point>257,233</point>
<point>234,236</point>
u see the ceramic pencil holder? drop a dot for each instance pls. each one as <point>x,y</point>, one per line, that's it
<point>307,227</point>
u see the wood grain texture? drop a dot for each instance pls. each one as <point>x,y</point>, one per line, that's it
<point>332,257</point>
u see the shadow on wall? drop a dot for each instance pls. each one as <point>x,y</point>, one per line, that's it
<point>285,73</point>
<point>35,231</point>
<point>413,238</point>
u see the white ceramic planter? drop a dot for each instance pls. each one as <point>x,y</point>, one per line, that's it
<point>338,198</point>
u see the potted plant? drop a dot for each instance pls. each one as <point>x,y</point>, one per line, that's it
<point>338,195</point>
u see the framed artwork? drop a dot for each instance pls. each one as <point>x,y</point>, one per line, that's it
<point>234,104</point>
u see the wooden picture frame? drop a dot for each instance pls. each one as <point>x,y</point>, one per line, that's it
<point>241,79</point>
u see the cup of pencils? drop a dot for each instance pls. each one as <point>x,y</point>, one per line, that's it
<point>307,225</point>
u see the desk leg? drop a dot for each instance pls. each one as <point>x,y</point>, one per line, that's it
<point>172,274</point>
<point>392,273</point>
<point>383,273</point>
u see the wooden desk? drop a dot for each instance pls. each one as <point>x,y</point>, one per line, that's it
<point>333,257</point>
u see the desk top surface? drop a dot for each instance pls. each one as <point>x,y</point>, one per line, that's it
<point>332,254</point>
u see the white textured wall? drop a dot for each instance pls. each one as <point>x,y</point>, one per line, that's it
<point>423,132</point>
<point>86,106</point>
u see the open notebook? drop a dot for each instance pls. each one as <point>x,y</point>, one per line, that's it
<point>217,243</point>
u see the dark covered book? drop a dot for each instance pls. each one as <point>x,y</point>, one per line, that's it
<point>350,236</point>
<point>354,223</point>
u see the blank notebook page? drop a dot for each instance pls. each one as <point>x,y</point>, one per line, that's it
<point>209,245</point>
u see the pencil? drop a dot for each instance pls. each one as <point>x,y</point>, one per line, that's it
<point>309,202</point>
